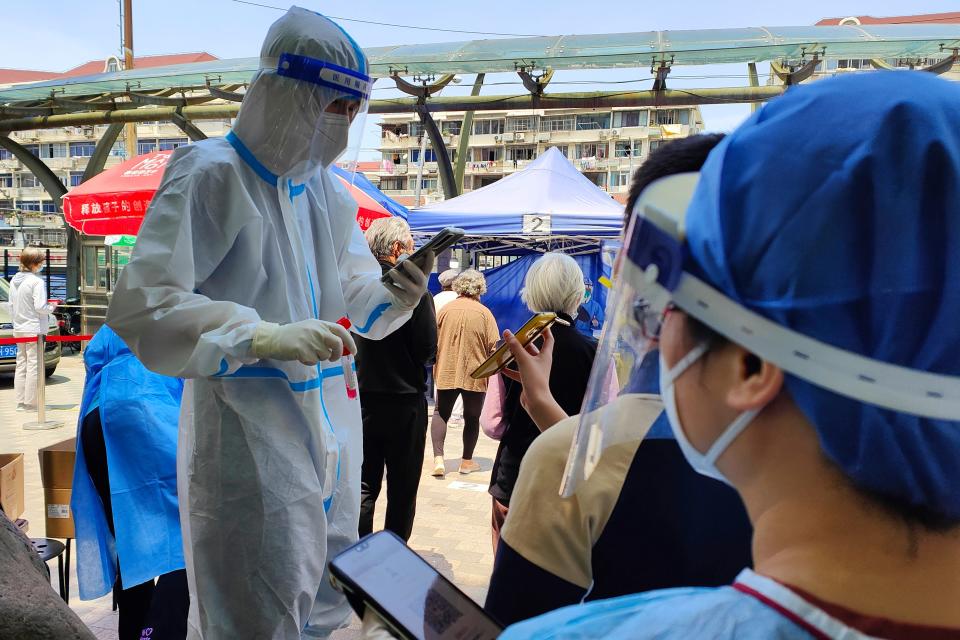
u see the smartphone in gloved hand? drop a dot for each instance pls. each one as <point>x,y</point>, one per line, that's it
<point>412,598</point>
<point>437,244</point>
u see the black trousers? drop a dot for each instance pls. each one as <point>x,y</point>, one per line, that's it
<point>394,435</point>
<point>160,608</point>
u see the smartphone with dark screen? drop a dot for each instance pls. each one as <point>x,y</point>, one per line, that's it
<point>411,597</point>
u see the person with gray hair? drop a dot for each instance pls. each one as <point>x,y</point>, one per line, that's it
<point>448,294</point>
<point>393,405</point>
<point>468,334</point>
<point>554,283</point>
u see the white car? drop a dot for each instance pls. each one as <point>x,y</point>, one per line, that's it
<point>8,352</point>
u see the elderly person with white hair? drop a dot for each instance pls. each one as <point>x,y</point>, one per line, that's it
<point>448,294</point>
<point>467,336</point>
<point>393,404</point>
<point>554,283</point>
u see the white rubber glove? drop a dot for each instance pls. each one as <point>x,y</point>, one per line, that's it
<point>373,627</point>
<point>409,282</point>
<point>309,341</point>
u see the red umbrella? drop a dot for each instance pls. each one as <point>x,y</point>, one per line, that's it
<point>114,202</point>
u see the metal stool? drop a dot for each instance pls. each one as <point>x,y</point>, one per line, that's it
<point>48,549</point>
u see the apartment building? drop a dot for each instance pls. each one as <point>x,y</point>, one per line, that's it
<point>606,146</point>
<point>25,207</point>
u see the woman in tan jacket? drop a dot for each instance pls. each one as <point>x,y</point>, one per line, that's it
<point>467,335</point>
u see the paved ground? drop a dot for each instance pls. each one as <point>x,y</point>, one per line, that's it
<point>452,529</point>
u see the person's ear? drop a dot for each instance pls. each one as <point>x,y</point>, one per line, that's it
<point>756,382</point>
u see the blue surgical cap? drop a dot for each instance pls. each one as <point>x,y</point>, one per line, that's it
<point>835,211</point>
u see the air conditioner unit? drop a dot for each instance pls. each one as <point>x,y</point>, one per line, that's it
<point>519,135</point>
<point>603,135</point>
<point>614,133</point>
<point>543,136</point>
<point>498,138</point>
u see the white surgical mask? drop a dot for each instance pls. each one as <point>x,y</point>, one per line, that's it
<point>702,463</point>
<point>335,129</point>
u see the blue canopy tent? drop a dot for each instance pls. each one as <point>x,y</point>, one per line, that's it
<point>548,206</point>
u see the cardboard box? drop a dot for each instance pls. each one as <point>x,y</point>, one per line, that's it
<point>11,484</point>
<point>59,518</point>
<point>56,470</point>
<point>56,464</point>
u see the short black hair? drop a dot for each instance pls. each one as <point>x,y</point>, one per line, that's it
<point>676,156</point>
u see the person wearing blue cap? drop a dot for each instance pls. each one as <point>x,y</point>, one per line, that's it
<point>802,292</point>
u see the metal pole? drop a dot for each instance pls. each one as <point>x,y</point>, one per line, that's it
<point>423,151</point>
<point>130,131</point>
<point>42,423</point>
<point>49,266</point>
<point>6,263</point>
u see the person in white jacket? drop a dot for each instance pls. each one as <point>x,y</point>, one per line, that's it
<point>248,257</point>
<point>29,312</point>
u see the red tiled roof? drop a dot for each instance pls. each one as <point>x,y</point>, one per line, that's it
<point>139,62</point>
<point>10,76</point>
<point>952,17</point>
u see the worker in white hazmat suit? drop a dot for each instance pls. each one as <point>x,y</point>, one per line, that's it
<point>249,255</point>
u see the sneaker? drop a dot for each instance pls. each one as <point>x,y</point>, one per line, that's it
<point>468,466</point>
<point>21,407</point>
<point>439,468</point>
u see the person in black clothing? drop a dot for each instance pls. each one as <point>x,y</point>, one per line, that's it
<point>392,374</point>
<point>554,283</point>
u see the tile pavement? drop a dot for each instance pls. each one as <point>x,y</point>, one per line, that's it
<point>452,528</point>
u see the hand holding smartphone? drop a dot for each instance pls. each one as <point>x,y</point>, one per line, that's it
<point>526,334</point>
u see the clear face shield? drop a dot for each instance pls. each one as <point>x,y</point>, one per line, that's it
<point>622,398</point>
<point>317,112</point>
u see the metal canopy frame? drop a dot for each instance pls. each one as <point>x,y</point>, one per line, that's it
<point>183,94</point>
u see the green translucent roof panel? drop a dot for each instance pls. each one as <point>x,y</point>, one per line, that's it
<point>603,51</point>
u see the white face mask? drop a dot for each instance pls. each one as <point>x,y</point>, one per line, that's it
<point>335,133</point>
<point>702,463</point>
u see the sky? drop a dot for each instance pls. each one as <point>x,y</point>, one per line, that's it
<point>55,35</point>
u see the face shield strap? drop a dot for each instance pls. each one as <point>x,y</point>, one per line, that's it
<point>839,371</point>
<point>324,74</point>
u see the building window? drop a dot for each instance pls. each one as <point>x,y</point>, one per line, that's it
<point>6,180</point>
<point>628,148</point>
<point>169,144</point>
<point>525,123</point>
<point>592,121</point>
<point>591,150</point>
<point>28,181</point>
<point>428,156</point>
<point>451,127</point>
<point>82,149</point>
<point>486,154</point>
<point>76,177</point>
<point>655,144</point>
<point>487,127</point>
<point>562,148</point>
<point>416,129</point>
<point>521,153</point>
<point>630,119</point>
<point>6,205</point>
<point>392,184</point>
<point>619,178</point>
<point>558,123</point>
<point>426,184</point>
<point>146,146</point>
<point>5,154</point>
<point>49,206</point>
<point>28,205</point>
<point>673,116</point>
<point>53,150</point>
<point>33,148</point>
